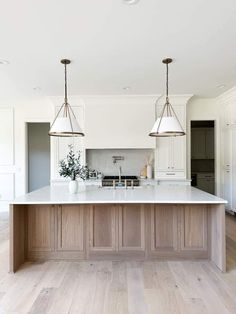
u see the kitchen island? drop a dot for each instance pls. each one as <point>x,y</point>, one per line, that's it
<point>144,223</point>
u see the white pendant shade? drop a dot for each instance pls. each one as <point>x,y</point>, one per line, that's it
<point>66,126</point>
<point>167,126</point>
<point>65,123</point>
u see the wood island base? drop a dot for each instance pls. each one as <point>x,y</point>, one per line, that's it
<point>117,232</point>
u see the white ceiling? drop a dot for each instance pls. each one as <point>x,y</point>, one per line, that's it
<point>113,45</point>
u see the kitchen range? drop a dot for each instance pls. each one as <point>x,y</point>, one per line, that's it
<point>120,181</point>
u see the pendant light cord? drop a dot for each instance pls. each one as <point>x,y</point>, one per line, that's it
<point>168,110</point>
<point>66,99</point>
<point>167,81</point>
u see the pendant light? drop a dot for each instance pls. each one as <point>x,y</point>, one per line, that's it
<point>65,123</point>
<point>167,124</point>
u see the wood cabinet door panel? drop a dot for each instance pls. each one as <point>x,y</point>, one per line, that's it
<point>131,227</point>
<point>40,228</point>
<point>194,228</point>
<point>198,143</point>
<point>164,231</point>
<point>103,227</point>
<point>210,147</point>
<point>70,228</point>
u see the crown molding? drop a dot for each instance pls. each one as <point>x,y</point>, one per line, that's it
<point>179,99</point>
<point>227,96</point>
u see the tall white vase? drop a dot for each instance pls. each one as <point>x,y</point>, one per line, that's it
<point>73,187</point>
<point>149,171</point>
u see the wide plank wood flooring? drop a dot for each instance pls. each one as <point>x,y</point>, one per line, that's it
<point>118,287</point>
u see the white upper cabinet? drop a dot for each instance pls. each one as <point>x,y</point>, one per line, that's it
<point>119,122</point>
<point>170,159</point>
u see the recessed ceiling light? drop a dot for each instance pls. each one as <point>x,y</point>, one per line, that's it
<point>4,62</point>
<point>130,1</point>
<point>221,86</point>
<point>37,88</point>
<point>126,88</point>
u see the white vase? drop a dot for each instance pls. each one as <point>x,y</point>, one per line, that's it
<point>149,171</point>
<point>73,187</point>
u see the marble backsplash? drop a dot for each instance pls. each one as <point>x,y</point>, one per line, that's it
<point>133,160</point>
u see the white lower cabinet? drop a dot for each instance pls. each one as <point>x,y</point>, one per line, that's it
<point>233,170</point>
<point>229,166</point>
<point>227,192</point>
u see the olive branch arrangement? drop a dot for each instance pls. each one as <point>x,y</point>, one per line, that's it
<point>71,166</point>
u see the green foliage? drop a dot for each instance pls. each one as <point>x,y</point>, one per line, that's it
<point>71,166</point>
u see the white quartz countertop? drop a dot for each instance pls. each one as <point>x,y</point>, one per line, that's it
<point>93,194</point>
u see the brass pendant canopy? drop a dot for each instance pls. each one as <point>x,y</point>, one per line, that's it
<point>167,124</point>
<point>65,123</point>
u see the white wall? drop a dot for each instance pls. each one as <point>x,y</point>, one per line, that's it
<point>7,176</point>
<point>24,111</point>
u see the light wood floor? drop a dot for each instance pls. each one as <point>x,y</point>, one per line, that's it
<point>119,287</point>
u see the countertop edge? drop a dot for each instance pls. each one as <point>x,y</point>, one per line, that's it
<point>119,202</point>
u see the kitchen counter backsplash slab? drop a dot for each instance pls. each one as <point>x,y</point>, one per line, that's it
<point>132,163</point>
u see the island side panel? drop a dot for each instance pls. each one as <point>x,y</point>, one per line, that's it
<point>18,232</point>
<point>218,237</point>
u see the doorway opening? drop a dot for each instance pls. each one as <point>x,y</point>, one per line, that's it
<point>38,155</point>
<point>203,155</point>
